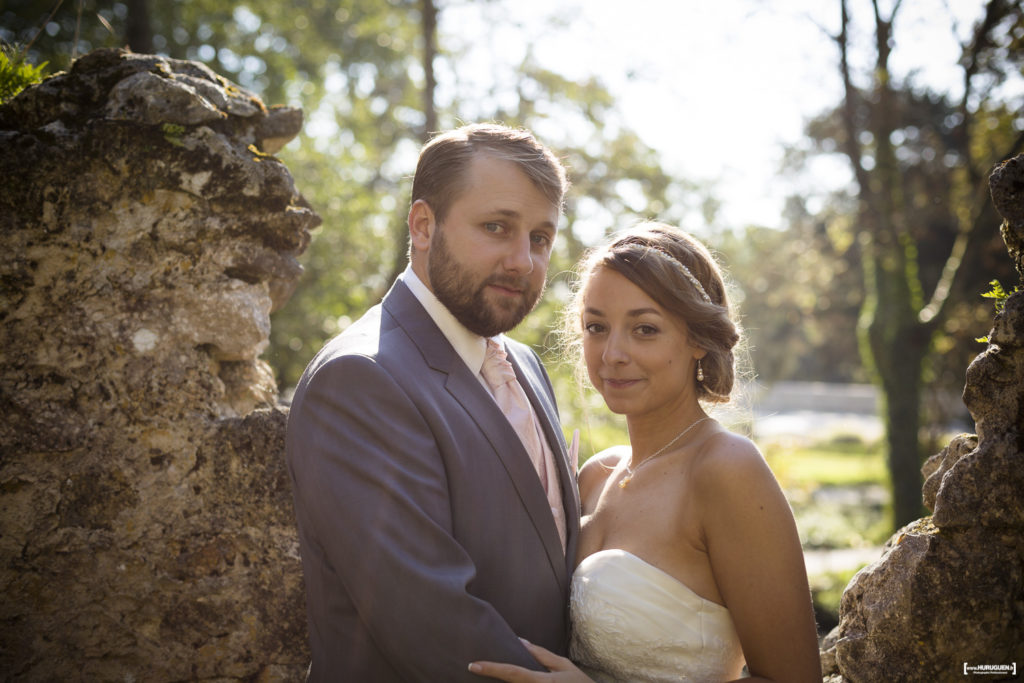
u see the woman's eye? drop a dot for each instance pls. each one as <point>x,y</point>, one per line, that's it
<point>647,330</point>
<point>593,328</point>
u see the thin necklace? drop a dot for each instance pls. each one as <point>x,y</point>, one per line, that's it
<point>630,471</point>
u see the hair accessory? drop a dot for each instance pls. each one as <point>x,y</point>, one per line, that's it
<point>685,272</point>
<point>700,372</point>
<point>630,471</point>
<point>696,283</point>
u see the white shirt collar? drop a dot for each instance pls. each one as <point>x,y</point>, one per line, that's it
<point>471,347</point>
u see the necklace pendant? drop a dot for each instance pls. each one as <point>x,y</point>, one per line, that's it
<point>625,480</point>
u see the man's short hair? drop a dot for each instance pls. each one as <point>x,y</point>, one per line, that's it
<point>440,172</point>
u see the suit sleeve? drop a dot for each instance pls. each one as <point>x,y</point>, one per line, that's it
<point>371,487</point>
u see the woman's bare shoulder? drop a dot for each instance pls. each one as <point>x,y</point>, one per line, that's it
<point>609,457</point>
<point>598,468</point>
<point>727,459</point>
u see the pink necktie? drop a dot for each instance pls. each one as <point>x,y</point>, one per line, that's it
<point>512,400</point>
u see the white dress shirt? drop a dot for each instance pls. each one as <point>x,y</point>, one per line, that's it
<point>470,347</point>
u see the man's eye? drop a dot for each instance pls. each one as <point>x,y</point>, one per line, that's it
<point>540,239</point>
<point>492,227</point>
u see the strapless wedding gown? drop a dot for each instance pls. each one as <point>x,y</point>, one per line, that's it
<point>633,622</point>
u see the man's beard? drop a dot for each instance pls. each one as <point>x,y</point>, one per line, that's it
<point>455,288</point>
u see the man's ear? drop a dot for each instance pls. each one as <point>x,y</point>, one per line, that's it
<point>421,225</point>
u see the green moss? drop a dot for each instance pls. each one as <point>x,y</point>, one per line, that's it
<point>172,133</point>
<point>16,75</point>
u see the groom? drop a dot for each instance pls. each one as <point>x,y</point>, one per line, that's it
<point>437,523</point>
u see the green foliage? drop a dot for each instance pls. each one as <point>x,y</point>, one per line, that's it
<point>998,294</point>
<point>347,265</point>
<point>798,291</point>
<point>827,589</point>
<point>16,74</point>
<point>999,297</point>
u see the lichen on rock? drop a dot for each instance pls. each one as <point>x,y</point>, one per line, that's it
<point>146,527</point>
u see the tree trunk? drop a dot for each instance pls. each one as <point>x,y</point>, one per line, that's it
<point>902,425</point>
<point>895,346</point>
<point>139,28</point>
<point>902,354</point>
<point>430,82</point>
<point>429,19</point>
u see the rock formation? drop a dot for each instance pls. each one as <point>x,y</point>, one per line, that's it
<point>146,526</point>
<point>947,596</point>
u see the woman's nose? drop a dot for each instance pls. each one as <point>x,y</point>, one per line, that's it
<point>616,351</point>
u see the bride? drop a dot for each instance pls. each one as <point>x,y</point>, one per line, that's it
<point>689,564</point>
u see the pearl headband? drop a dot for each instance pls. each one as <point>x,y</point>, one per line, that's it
<point>683,270</point>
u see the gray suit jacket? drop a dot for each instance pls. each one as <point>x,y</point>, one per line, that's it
<point>427,541</point>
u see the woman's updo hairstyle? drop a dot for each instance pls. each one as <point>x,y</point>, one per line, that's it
<point>679,273</point>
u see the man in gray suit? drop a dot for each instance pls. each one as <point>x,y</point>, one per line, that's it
<point>429,537</point>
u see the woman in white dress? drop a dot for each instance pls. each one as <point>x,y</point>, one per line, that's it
<point>689,562</point>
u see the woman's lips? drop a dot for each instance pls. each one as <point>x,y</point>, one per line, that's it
<point>619,383</point>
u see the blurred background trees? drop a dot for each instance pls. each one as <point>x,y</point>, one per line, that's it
<point>881,282</point>
<point>921,212</point>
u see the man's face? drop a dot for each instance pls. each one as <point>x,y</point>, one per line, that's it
<point>488,262</point>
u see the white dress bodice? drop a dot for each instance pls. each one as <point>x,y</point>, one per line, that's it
<point>633,622</point>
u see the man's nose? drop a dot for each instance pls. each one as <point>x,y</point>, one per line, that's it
<point>519,258</point>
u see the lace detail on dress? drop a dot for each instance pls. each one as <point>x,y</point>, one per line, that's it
<point>633,622</point>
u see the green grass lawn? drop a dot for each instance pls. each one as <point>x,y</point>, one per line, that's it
<point>838,490</point>
<point>843,461</point>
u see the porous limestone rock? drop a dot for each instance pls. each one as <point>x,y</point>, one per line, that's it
<point>947,595</point>
<point>146,525</point>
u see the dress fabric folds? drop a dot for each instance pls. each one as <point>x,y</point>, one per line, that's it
<point>633,622</point>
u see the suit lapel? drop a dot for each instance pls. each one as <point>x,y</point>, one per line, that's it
<point>466,389</point>
<point>439,355</point>
<point>410,315</point>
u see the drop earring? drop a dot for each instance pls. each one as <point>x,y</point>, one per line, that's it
<point>700,371</point>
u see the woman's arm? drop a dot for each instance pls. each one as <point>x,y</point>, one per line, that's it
<point>757,561</point>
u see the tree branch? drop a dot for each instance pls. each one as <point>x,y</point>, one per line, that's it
<point>849,111</point>
<point>951,281</point>
<point>982,40</point>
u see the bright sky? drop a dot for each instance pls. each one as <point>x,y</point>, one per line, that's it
<point>717,87</point>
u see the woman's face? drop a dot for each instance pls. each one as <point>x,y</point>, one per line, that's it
<point>638,356</point>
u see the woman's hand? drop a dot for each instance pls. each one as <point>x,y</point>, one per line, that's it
<point>560,669</point>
